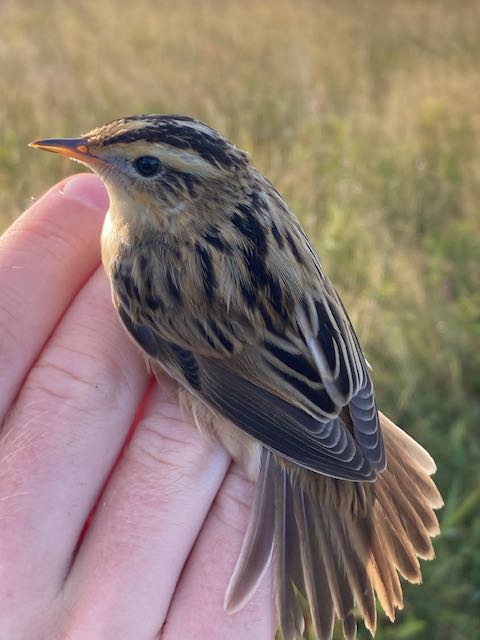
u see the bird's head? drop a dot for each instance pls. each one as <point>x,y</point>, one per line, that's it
<point>156,166</point>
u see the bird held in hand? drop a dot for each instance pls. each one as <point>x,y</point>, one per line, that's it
<point>214,278</point>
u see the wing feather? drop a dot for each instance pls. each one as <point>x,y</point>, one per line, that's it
<point>301,386</point>
<point>324,447</point>
<point>343,370</point>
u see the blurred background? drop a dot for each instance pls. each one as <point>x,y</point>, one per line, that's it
<point>366,117</point>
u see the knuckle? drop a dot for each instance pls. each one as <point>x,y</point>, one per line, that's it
<point>9,322</point>
<point>233,502</point>
<point>58,380</point>
<point>79,377</point>
<point>164,440</point>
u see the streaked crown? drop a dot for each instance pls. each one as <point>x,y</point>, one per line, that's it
<point>178,139</point>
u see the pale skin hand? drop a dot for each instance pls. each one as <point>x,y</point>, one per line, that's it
<point>162,542</point>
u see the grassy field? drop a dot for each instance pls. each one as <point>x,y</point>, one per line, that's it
<point>366,116</point>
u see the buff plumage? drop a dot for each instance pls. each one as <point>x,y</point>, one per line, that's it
<point>214,278</point>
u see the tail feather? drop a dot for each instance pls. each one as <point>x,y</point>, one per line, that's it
<point>295,565</point>
<point>411,447</point>
<point>402,475</point>
<point>387,569</point>
<point>360,581</point>
<point>379,565</point>
<point>315,572</point>
<point>418,464</point>
<point>413,526</point>
<point>338,583</point>
<point>257,547</point>
<point>337,543</point>
<point>287,559</point>
<point>402,549</point>
<point>410,493</point>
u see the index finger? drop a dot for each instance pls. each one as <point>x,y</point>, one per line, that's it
<point>45,258</point>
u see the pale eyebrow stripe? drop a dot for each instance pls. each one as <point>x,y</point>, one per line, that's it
<point>185,160</point>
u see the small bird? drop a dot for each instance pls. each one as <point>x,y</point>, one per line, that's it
<point>214,278</point>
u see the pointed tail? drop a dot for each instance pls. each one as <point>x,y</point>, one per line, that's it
<point>336,544</point>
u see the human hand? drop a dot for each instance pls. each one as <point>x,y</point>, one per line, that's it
<point>106,532</point>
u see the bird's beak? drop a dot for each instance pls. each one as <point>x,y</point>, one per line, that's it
<point>74,148</point>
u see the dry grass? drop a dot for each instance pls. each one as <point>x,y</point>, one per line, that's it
<point>365,115</point>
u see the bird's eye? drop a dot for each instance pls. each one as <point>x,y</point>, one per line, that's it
<point>147,166</point>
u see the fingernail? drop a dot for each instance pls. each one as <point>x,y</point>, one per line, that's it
<point>87,189</point>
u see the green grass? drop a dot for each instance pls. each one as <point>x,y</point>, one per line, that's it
<point>365,115</point>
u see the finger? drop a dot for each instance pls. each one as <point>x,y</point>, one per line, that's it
<point>154,505</point>
<point>60,442</point>
<point>45,257</point>
<point>197,608</point>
